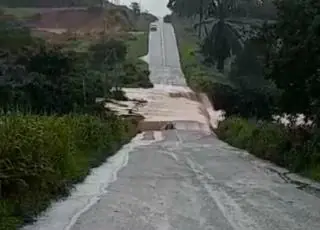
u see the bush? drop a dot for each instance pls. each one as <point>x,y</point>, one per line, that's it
<point>243,102</point>
<point>167,19</point>
<point>47,80</point>
<point>136,75</point>
<point>41,157</point>
<point>295,148</point>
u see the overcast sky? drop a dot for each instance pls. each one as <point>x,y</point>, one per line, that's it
<point>156,7</point>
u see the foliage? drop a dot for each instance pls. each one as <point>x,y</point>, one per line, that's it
<point>218,42</point>
<point>42,156</point>
<point>46,80</point>
<point>251,8</point>
<point>198,74</point>
<point>44,149</point>
<point>247,70</point>
<point>244,94</point>
<point>135,6</point>
<point>112,57</point>
<point>289,42</point>
<point>216,24</point>
<point>106,53</point>
<point>13,35</point>
<point>137,46</point>
<point>136,75</point>
<point>167,18</point>
<point>296,148</point>
<point>244,102</point>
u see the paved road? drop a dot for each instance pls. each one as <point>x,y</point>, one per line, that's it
<point>164,57</point>
<point>191,180</point>
<point>184,180</point>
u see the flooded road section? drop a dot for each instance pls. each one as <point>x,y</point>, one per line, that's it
<point>185,178</point>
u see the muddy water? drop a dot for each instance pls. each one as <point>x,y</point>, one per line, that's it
<point>171,100</point>
<point>174,104</point>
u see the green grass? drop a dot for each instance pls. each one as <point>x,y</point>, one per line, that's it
<point>198,75</point>
<point>78,45</point>
<point>292,148</point>
<point>21,12</point>
<point>137,45</point>
<point>42,156</point>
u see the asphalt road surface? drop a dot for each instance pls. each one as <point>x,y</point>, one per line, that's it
<point>188,180</point>
<point>191,181</point>
<point>164,59</point>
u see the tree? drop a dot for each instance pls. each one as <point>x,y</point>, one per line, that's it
<point>293,60</point>
<point>222,37</point>
<point>135,6</point>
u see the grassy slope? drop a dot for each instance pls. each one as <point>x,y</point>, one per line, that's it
<point>289,148</point>
<point>137,48</point>
<point>43,156</point>
<point>21,12</point>
<point>138,45</point>
<point>198,75</point>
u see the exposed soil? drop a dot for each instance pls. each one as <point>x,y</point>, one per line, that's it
<point>84,20</point>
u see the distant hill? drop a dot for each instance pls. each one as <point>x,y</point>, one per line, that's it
<point>48,3</point>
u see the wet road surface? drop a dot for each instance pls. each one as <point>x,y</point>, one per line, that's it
<point>164,59</point>
<point>184,180</point>
<point>189,181</point>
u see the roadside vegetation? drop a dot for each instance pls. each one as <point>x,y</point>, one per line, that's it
<point>52,130</point>
<point>255,61</point>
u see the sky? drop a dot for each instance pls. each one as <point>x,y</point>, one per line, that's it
<point>156,7</point>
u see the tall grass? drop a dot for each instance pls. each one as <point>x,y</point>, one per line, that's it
<point>296,148</point>
<point>42,156</point>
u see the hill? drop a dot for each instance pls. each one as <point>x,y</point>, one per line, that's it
<point>48,3</point>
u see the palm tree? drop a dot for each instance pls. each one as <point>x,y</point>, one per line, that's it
<point>223,38</point>
<point>215,19</point>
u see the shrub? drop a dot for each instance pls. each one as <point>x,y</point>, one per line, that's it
<point>296,148</point>
<point>167,19</point>
<point>41,157</point>
<point>243,102</point>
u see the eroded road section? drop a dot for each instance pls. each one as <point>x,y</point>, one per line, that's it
<point>188,180</point>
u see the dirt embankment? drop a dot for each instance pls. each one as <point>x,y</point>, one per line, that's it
<point>81,20</point>
<point>59,24</point>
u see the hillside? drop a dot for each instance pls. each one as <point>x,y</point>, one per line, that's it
<point>48,3</point>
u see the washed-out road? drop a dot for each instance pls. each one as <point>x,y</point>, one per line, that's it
<point>185,179</point>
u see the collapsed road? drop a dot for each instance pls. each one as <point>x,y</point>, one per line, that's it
<point>183,178</point>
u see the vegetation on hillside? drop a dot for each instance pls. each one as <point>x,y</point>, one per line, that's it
<point>42,156</point>
<point>52,130</point>
<point>48,3</point>
<point>295,148</point>
<point>276,64</point>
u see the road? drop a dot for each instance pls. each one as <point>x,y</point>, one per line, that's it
<point>184,180</point>
<point>164,59</point>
